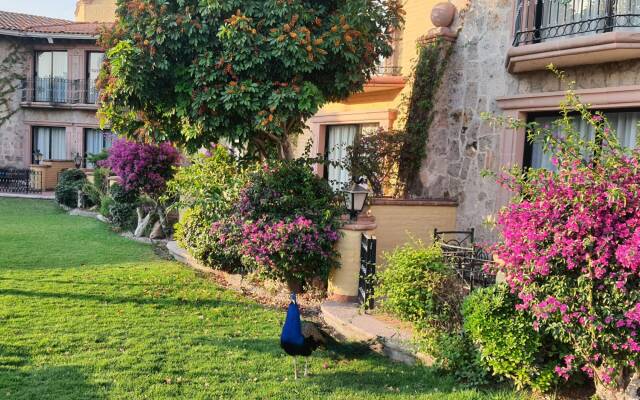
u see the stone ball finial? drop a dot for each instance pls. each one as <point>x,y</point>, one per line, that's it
<point>442,14</point>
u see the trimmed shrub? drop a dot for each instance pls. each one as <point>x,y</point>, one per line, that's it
<point>507,341</point>
<point>455,353</point>
<point>207,189</point>
<point>122,210</point>
<point>69,183</point>
<point>418,287</point>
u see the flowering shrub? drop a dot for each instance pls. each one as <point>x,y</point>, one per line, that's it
<point>144,168</point>
<point>284,225</point>
<point>571,246</point>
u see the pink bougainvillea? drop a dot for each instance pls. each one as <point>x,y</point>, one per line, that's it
<point>142,167</point>
<point>570,246</point>
<point>284,225</point>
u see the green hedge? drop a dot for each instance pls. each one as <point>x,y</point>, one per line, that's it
<point>506,340</point>
<point>69,183</point>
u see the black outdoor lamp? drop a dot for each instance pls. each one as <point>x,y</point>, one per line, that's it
<point>355,198</point>
<point>77,159</point>
<point>37,157</point>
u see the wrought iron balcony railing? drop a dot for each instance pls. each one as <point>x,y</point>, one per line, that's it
<point>543,20</point>
<point>59,91</point>
<point>14,180</point>
<point>386,70</point>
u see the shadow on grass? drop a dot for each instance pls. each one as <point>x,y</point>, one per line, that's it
<point>370,374</point>
<point>91,283</point>
<point>160,302</point>
<point>21,381</point>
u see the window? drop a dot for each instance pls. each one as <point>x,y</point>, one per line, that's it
<point>94,63</point>
<point>51,142</point>
<point>339,138</point>
<point>95,141</point>
<point>51,76</point>
<point>624,123</point>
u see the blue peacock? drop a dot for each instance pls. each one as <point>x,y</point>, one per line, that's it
<point>301,338</point>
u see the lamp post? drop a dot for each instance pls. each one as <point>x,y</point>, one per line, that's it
<point>355,198</point>
<point>37,157</point>
<point>77,159</point>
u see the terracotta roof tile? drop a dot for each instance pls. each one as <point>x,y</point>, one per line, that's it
<point>32,23</point>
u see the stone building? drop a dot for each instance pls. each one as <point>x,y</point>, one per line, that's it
<point>51,98</point>
<point>53,109</point>
<point>499,64</point>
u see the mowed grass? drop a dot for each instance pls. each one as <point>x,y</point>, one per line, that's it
<point>86,314</point>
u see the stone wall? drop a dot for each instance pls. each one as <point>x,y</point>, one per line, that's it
<point>12,141</point>
<point>460,145</point>
<point>15,132</point>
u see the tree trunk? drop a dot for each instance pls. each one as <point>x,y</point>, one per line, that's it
<point>143,222</point>
<point>624,388</point>
<point>162,217</point>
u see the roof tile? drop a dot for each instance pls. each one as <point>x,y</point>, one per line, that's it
<point>37,24</point>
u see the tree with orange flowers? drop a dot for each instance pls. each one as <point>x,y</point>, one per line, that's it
<point>245,72</point>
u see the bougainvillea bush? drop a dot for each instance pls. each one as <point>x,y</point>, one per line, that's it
<point>570,246</point>
<point>144,169</point>
<point>284,225</point>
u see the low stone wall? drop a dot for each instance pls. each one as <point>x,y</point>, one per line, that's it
<point>401,220</point>
<point>50,171</point>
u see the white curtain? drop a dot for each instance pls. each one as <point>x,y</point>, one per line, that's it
<point>58,144</point>
<point>51,79</point>
<point>625,125</point>
<point>95,63</point>
<point>339,138</point>
<point>96,141</point>
<point>41,142</point>
<point>51,142</point>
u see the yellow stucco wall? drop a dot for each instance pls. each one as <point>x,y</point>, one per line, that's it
<point>417,24</point>
<point>399,224</point>
<point>95,10</point>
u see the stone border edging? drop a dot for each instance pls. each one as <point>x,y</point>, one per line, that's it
<point>27,196</point>
<point>349,321</point>
<point>275,296</point>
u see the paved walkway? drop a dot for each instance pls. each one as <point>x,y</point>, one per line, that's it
<point>39,196</point>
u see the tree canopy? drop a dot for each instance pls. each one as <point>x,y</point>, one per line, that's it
<point>248,72</point>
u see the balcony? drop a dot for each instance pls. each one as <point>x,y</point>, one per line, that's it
<point>573,32</point>
<point>387,77</point>
<point>58,93</point>
<point>389,70</point>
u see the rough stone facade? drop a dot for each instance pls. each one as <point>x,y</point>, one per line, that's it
<point>12,140</point>
<point>460,144</point>
<point>16,131</point>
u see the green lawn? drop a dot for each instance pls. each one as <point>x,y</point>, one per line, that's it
<point>86,314</point>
